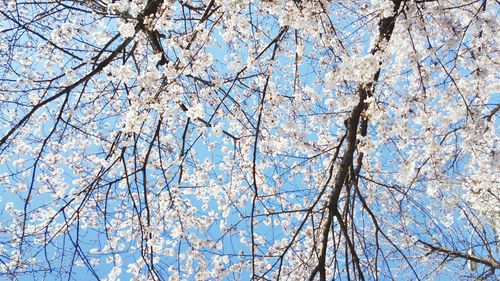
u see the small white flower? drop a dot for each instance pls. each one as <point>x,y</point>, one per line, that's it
<point>127,29</point>
<point>217,129</point>
<point>125,72</point>
<point>9,206</point>
<point>18,163</point>
<point>195,111</point>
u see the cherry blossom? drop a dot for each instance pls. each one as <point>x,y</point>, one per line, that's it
<point>248,140</point>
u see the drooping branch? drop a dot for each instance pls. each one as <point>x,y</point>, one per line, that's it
<point>66,90</point>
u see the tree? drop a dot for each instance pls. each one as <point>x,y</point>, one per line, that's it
<point>266,140</point>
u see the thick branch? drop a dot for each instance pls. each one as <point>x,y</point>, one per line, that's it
<point>386,27</point>
<point>488,262</point>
